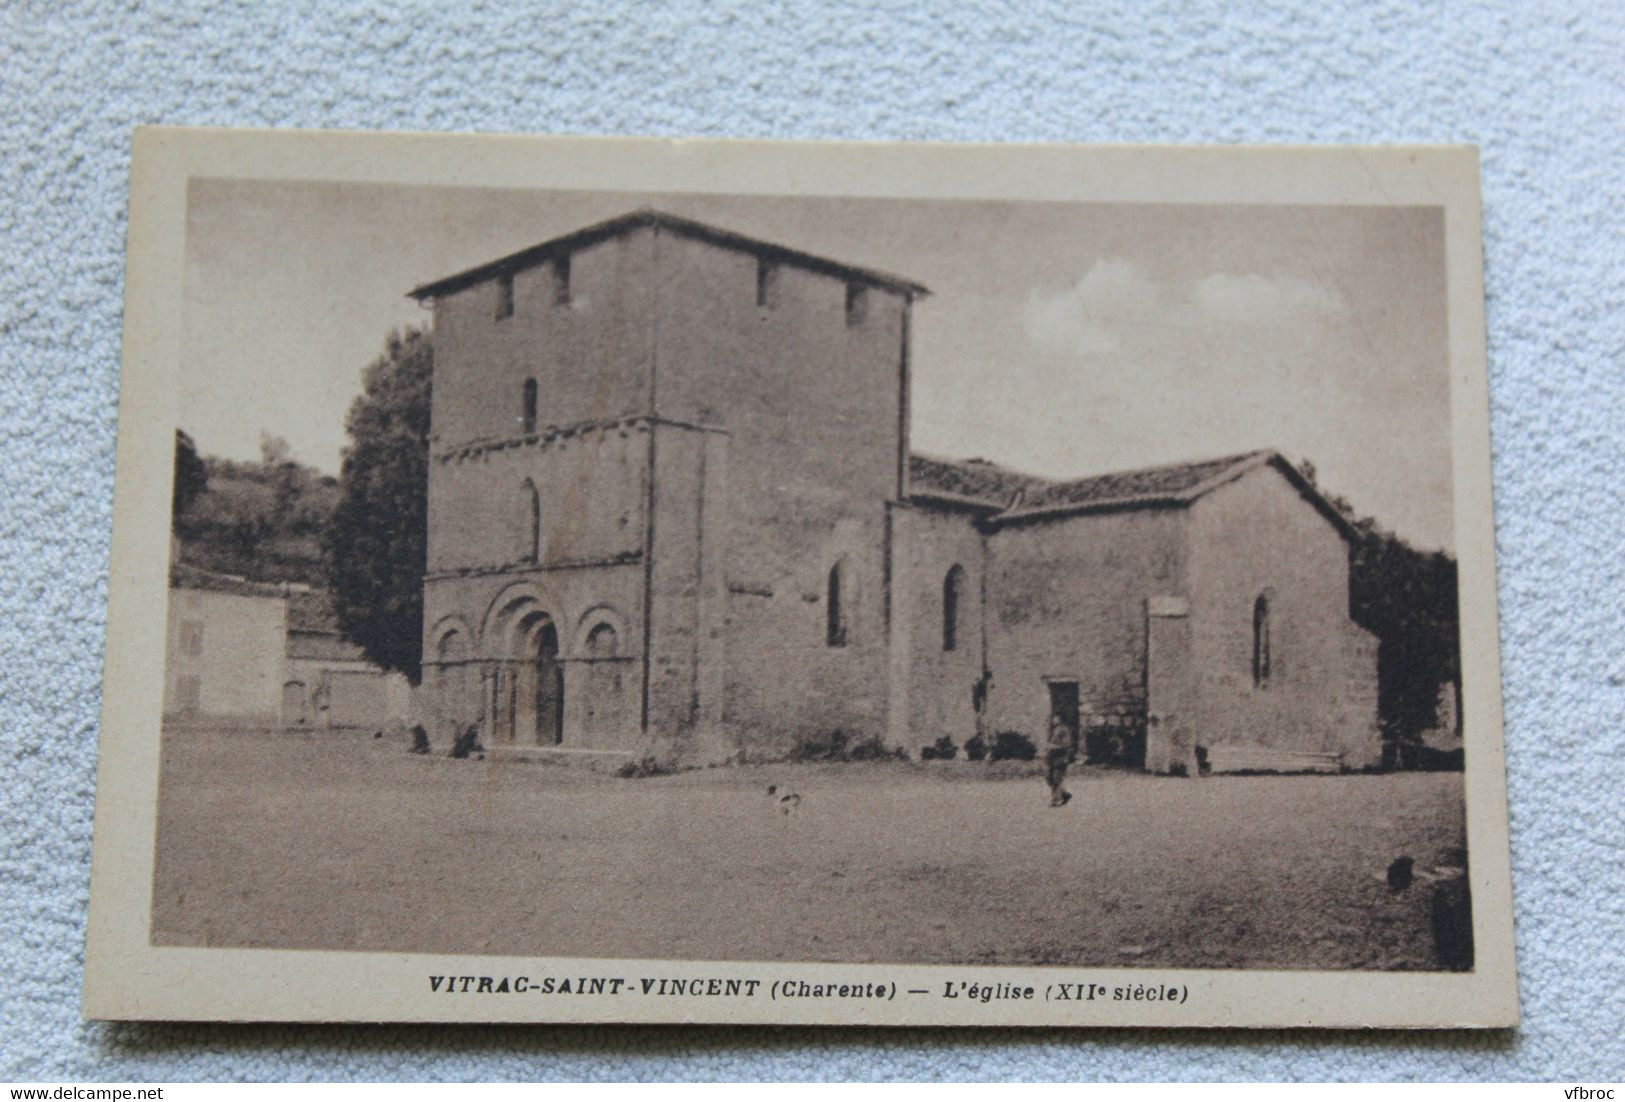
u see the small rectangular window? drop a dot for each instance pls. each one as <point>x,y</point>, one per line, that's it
<point>767,280</point>
<point>527,407</point>
<point>561,280</point>
<point>857,303</point>
<point>505,295</point>
<point>188,692</point>
<point>191,638</point>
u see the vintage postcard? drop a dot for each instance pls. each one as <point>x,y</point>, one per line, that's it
<point>693,581</point>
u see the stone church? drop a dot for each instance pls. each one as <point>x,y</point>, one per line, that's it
<point>674,511</point>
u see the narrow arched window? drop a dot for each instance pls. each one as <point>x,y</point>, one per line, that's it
<point>531,547</point>
<point>834,608</point>
<point>527,407</point>
<point>953,588</point>
<point>1261,641</point>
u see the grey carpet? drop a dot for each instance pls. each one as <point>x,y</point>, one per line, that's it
<point>1541,87</point>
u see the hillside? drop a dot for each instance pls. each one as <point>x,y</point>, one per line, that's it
<point>262,521</point>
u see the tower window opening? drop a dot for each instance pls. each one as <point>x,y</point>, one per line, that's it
<point>561,280</point>
<point>527,407</point>
<point>857,303</point>
<point>504,295</point>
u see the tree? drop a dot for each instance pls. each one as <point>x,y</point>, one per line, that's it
<point>375,543</point>
<point>274,450</point>
<point>191,474</point>
<point>1406,597</point>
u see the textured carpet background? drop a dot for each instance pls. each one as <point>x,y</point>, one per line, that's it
<point>1541,87</point>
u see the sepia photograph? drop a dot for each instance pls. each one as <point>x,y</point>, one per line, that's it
<point>1007,593</point>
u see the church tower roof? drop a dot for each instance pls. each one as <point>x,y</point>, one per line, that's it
<point>669,223</point>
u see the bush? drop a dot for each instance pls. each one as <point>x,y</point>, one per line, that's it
<point>420,740</point>
<point>830,747</point>
<point>976,748</point>
<point>1013,746</point>
<point>941,750</point>
<point>467,743</point>
<point>643,767</point>
<point>836,747</point>
<point>871,749</point>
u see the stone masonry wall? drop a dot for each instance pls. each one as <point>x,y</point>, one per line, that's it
<point>1255,536</point>
<point>810,400</point>
<point>934,686</point>
<point>591,355</point>
<point>1067,602</point>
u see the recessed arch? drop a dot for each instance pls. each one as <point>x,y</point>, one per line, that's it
<point>445,627</point>
<point>450,676</point>
<point>515,605</point>
<point>601,615</point>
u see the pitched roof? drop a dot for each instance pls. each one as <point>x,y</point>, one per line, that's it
<point>971,482</point>
<point>671,223</point>
<point>1169,482</point>
<point>186,576</point>
<point>1004,496</point>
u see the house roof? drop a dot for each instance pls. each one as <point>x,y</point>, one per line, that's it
<point>184,576</point>
<point>1005,496</point>
<point>309,610</point>
<point>671,223</point>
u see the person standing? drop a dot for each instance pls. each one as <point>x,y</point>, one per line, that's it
<point>1062,748</point>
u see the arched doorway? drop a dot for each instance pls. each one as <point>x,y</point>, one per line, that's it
<point>453,704</point>
<point>538,691</point>
<point>549,687</point>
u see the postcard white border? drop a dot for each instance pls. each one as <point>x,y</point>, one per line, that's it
<point>128,978</point>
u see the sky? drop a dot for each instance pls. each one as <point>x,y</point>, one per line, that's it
<point>1063,339</point>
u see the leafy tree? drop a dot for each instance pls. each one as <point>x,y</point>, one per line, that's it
<point>376,540</point>
<point>191,474</point>
<point>274,450</point>
<point>1406,597</point>
<point>262,521</point>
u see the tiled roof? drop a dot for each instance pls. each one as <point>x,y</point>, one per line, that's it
<point>971,480</point>
<point>1004,496</point>
<point>684,227</point>
<point>1170,481</point>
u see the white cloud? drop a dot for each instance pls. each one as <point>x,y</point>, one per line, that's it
<point>1117,308</point>
<point>1249,298</point>
<point>1092,315</point>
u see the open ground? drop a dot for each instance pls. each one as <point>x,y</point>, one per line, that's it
<point>339,841</point>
